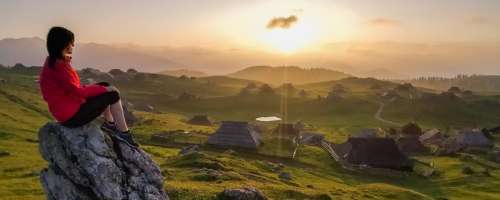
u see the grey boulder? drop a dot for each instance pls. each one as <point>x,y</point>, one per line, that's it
<point>85,163</point>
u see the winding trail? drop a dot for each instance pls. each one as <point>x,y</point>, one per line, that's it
<point>378,114</point>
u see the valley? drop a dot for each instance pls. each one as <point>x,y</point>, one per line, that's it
<point>335,108</point>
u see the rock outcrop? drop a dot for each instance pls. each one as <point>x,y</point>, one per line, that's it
<point>85,163</point>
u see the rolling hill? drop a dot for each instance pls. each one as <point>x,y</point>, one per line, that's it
<point>383,73</point>
<point>479,83</point>
<point>354,84</point>
<point>185,72</point>
<point>291,74</point>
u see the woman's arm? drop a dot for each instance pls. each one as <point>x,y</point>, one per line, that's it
<point>65,75</point>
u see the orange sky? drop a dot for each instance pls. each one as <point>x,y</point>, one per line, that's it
<point>321,28</point>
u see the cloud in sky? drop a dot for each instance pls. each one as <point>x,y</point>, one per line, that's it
<point>384,22</point>
<point>282,22</point>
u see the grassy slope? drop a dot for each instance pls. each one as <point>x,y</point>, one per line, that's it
<point>447,114</point>
<point>312,167</point>
<point>20,119</point>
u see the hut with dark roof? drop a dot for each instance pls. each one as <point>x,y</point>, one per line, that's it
<point>286,130</point>
<point>237,134</point>
<point>373,152</point>
<point>411,129</point>
<point>410,145</point>
<point>465,139</point>
<point>200,120</point>
<point>473,138</point>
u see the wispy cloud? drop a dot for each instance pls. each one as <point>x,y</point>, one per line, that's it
<point>384,22</point>
<point>282,22</point>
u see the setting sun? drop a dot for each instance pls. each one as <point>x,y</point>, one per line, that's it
<point>292,39</point>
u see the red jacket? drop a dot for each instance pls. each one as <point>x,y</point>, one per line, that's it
<point>61,89</point>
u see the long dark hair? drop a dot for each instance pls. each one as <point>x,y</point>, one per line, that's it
<point>58,39</point>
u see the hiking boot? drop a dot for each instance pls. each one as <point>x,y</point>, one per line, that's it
<point>125,137</point>
<point>109,127</point>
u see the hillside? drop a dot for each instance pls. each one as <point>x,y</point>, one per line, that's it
<point>479,83</point>
<point>354,84</point>
<point>185,72</point>
<point>383,73</point>
<point>314,174</point>
<point>280,75</point>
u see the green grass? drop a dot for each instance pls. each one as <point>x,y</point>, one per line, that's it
<point>445,114</point>
<point>21,114</point>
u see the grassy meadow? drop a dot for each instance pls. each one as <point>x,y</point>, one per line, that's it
<point>314,174</point>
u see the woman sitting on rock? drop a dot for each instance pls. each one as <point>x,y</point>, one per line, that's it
<point>71,103</point>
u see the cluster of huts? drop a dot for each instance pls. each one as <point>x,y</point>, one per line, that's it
<point>368,148</point>
<point>375,148</point>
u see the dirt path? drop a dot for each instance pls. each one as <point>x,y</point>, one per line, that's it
<point>378,114</point>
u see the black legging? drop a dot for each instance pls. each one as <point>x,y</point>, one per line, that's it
<point>92,108</point>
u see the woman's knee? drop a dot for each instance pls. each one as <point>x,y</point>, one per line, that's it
<point>114,96</point>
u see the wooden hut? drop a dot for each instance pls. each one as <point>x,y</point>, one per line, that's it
<point>373,152</point>
<point>237,134</point>
<point>410,145</point>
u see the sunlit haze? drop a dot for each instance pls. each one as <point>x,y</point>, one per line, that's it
<point>437,37</point>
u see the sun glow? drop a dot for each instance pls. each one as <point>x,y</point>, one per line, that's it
<point>315,26</point>
<point>291,39</point>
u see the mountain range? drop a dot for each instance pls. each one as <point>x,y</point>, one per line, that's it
<point>32,51</point>
<point>386,60</point>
